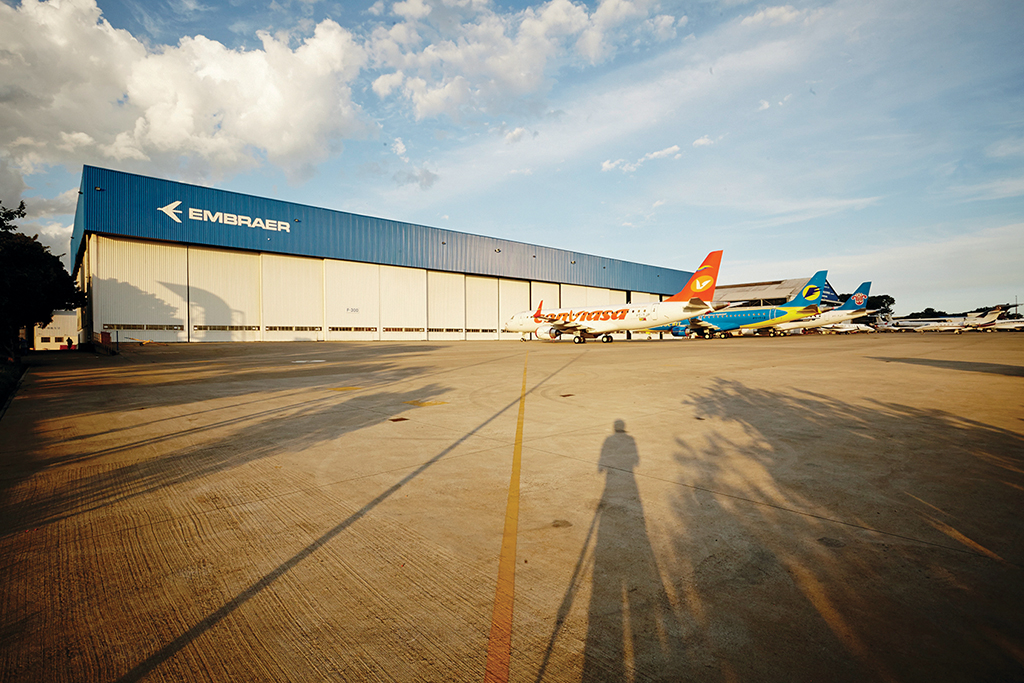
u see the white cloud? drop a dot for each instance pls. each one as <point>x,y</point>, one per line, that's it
<point>515,136</point>
<point>1010,147</point>
<point>223,109</point>
<point>658,203</point>
<point>950,272</point>
<point>763,105</point>
<point>627,167</point>
<point>774,16</point>
<point>703,141</point>
<point>61,205</point>
<point>398,147</point>
<point>464,56</point>
<point>1003,188</point>
<point>419,176</point>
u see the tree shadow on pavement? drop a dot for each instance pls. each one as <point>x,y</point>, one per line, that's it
<point>157,464</point>
<point>819,539</point>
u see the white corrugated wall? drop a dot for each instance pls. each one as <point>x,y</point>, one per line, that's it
<point>403,303</point>
<point>292,297</point>
<point>481,307</point>
<point>224,295</point>
<point>139,290</point>
<point>573,296</point>
<point>352,300</point>
<point>546,293</point>
<point>446,305</point>
<point>513,297</point>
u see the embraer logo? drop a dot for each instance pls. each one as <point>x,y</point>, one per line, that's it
<point>171,209</point>
<point>204,215</point>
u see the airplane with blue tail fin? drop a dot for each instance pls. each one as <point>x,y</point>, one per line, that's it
<point>752,319</point>
<point>854,307</point>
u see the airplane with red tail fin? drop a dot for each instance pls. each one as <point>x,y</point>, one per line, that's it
<point>601,321</point>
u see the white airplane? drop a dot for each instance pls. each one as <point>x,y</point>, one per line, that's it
<point>973,321</point>
<point>601,321</point>
<point>846,328</point>
<point>851,308</point>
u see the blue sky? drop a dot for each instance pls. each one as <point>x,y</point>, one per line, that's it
<point>881,140</point>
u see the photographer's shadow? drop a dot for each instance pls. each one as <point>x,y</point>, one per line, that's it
<point>632,631</point>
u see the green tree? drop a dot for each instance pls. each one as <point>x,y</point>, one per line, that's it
<point>33,282</point>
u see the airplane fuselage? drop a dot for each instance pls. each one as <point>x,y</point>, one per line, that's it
<point>601,320</point>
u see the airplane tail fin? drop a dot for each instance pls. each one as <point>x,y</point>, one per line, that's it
<point>858,299</point>
<point>810,294</point>
<point>702,282</point>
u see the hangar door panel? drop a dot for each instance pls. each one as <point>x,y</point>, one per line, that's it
<point>293,298</point>
<point>513,297</point>
<point>352,292</point>
<point>223,295</point>
<point>481,307</point>
<point>403,303</point>
<point>643,297</point>
<point>574,296</point>
<point>446,305</point>
<point>597,296</point>
<point>140,290</point>
<point>546,292</point>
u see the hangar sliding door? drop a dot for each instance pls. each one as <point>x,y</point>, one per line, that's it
<point>546,292</point>
<point>352,300</point>
<point>139,290</point>
<point>223,295</point>
<point>403,303</point>
<point>481,307</point>
<point>446,305</point>
<point>293,298</point>
<point>513,297</point>
<point>573,296</point>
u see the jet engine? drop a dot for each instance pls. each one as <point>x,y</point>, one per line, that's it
<point>678,331</point>
<point>548,332</point>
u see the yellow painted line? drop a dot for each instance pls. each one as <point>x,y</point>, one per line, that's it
<point>499,646</point>
<point>423,404</point>
<point>346,389</point>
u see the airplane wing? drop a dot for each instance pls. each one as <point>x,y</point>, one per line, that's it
<point>698,323</point>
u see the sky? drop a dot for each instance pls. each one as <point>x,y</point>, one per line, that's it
<point>881,140</point>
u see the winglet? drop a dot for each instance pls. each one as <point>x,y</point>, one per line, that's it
<point>702,282</point>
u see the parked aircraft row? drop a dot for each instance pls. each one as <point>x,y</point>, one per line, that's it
<point>692,313</point>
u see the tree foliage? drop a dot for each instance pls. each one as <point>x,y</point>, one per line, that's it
<point>33,282</point>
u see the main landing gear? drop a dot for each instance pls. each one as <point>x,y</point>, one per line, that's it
<point>579,339</point>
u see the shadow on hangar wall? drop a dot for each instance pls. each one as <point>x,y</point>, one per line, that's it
<point>123,204</point>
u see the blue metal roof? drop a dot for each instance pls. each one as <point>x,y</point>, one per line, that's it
<point>117,203</point>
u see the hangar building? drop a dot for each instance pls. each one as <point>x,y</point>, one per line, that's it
<point>173,262</point>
